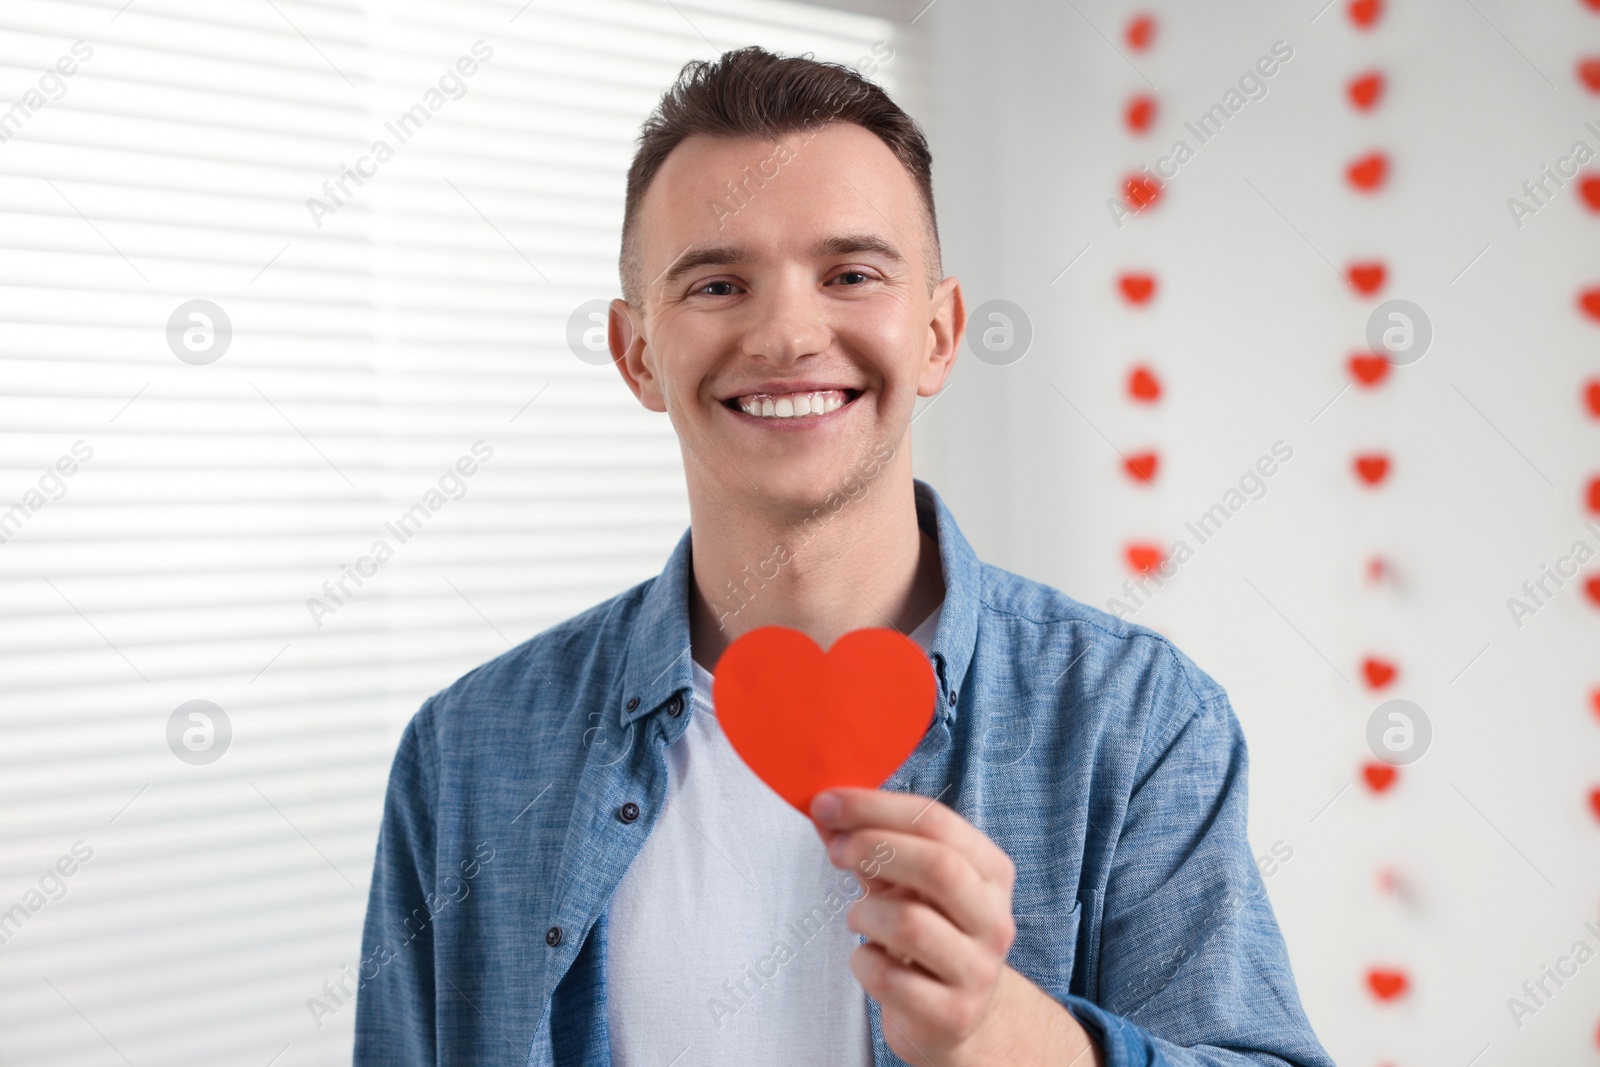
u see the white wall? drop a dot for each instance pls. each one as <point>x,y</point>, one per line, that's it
<point>1490,833</point>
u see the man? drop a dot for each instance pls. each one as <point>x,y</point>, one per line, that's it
<point>574,866</point>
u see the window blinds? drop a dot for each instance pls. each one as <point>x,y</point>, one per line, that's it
<point>281,283</point>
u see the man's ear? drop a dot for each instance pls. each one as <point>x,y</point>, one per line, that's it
<point>625,336</point>
<point>945,330</point>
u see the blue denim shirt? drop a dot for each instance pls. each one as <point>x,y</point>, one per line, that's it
<point>1107,765</point>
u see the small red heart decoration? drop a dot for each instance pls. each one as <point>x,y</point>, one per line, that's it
<point>1372,467</point>
<point>1368,173</point>
<point>1591,394</point>
<point>1144,557</point>
<point>1379,672</point>
<point>1594,698</point>
<point>1137,288</point>
<point>1141,466</point>
<point>1364,13</point>
<point>1140,32</point>
<point>1589,190</point>
<point>1592,587</point>
<point>1140,191</point>
<point>1379,776</point>
<point>1380,570</point>
<point>1594,801</point>
<point>1595,4</point>
<point>1368,368</point>
<point>1140,114</point>
<point>1143,385</point>
<point>863,707</point>
<point>1589,73</point>
<point>1365,90</point>
<point>1589,301</point>
<point>1367,277</point>
<point>1387,984</point>
<point>1594,495</point>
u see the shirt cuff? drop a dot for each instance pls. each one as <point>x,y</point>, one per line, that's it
<point>1121,1043</point>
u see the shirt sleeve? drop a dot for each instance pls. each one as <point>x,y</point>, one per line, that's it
<point>395,1003</point>
<point>1191,967</point>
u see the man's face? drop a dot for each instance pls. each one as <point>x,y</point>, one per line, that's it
<point>810,294</point>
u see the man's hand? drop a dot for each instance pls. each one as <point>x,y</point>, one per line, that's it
<point>937,917</point>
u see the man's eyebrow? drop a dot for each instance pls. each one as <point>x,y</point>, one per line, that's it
<point>850,243</point>
<point>692,259</point>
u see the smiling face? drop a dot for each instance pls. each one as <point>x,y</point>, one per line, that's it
<point>788,334</point>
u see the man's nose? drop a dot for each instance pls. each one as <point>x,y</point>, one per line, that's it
<point>790,322</point>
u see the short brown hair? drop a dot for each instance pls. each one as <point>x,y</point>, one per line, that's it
<point>750,92</point>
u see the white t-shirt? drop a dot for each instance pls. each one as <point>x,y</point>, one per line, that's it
<point>727,940</point>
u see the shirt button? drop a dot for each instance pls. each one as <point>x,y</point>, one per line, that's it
<point>628,812</point>
<point>675,706</point>
<point>552,936</point>
<point>633,702</point>
<point>952,696</point>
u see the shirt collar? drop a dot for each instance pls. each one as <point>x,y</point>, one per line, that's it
<point>659,667</point>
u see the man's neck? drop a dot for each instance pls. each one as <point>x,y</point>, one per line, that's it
<point>823,572</point>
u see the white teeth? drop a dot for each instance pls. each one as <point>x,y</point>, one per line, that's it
<point>792,405</point>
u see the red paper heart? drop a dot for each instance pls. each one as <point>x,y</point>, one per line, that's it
<point>1368,173</point>
<point>1141,466</point>
<point>1387,984</point>
<point>1593,3</point>
<point>1589,72</point>
<point>1364,13</point>
<point>805,720</point>
<point>1594,801</point>
<point>1589,190</point>
<point>1372,467</point>
<point>1379,776</point>
<point>1367,277</point>
<point>1140,191</point>
<point>1594,495</point>
<point>1143,385</point>
<point>1589,301</point>
<point>1594,698</point>
<point>1368,368</point>
<point>1379,672</point>
<point>1140,114</point>
<point>1137,288</point>
<point>1141,31</point>
<point>1592,587</point>
<point>1144,557</point>
<point>1591,394</point>
<point>1366,89</point>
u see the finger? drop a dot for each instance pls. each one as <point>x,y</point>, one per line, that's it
<point>917,935</point>
<point>935,872</point>
<point>910,813</point>
<point>907,989</point>
<point>928,1013</point>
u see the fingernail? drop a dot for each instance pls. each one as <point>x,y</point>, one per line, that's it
<point>826,807</point>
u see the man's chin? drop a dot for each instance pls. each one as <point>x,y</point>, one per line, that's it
<point>802,486</point>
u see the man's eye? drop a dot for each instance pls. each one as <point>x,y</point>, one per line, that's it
<point>728,289</point>
<point>853,274</point>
